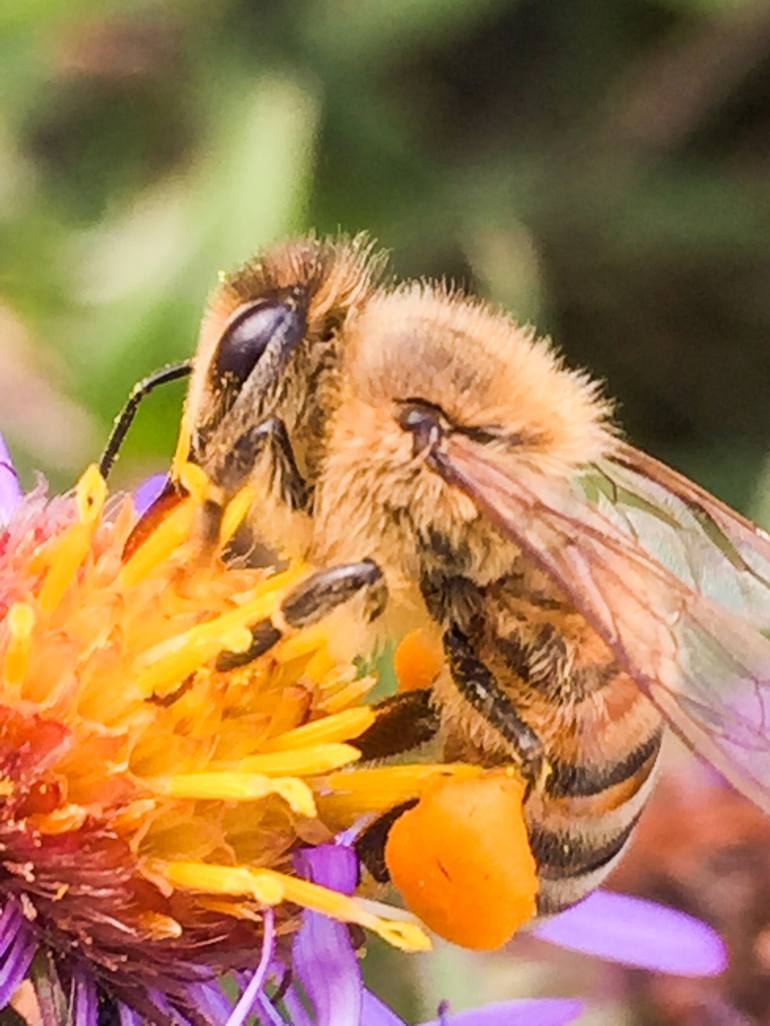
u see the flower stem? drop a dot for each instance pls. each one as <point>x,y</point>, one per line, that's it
<point>53,1007</point>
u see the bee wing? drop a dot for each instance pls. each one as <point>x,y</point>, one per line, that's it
<point>625,543</point>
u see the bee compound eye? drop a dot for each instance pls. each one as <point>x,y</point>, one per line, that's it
<point>423,422</point>
<point>247,338</point>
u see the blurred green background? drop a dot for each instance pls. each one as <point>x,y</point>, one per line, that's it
<point>601,167</point>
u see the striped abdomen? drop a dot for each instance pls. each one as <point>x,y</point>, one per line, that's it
<point>556,682</point>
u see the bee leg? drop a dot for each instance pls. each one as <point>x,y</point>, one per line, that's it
<point>269,435</point>
<point>476,683</point>
<point>404,722</point>
<point>323,591</point>
<point>370,845</point>
<point>310,601</point>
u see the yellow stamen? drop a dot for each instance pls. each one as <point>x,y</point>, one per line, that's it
<point>66,556</point>
<point>182,452</point>
<point>239,909</point>
<point>167,537</point>
<point>90,495</point>
<point>401,934</point>
<point>171,661</point>
<point>351,693</point>
<point>69,551</point>
<point>194,481</point>
<point>271,887</point>
<point>233,880</point>
<point>307,761</point>
<point>372,790</point>
<point>21,623</point>
<point>159,927</point>
<point>234,514</point>
<point>301,644</point>
<point>340,727</point>
<point>320,664</point>
<point>188,653</point>
<point>230,786</point>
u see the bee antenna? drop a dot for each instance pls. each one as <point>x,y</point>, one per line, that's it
<point>125,418</point>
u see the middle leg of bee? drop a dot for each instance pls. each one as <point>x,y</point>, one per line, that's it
<point>312,600</point>
<point>476,683</point>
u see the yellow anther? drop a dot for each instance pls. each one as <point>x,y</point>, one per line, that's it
<point>341,727</point>
<point>353,692</point>
<point>237,881</point>
<point>66,556</point>
<point>304,643</point>
<point>172,532</point>
<point>302,762</point>
<point>194,480</point>
<point>90,495</point>
<point>182,453</point>
<point>270,887</point>
<point>235,513</point>
<point>239,787</point>
<point>21,620</point>
<point>159,927</point>
<point>383,787</point>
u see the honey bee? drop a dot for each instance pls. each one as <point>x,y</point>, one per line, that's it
<point>442,465</point>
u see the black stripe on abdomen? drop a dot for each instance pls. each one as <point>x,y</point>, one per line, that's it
<point>563,855</point>
<point>570,780</point>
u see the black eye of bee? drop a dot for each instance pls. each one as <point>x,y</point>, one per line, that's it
<point>424,421</point>
<point>249,335</point>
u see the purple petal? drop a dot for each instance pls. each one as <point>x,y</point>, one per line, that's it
<point>248,999</point>
<point>298,1015</point>
<point>86,1001</point>
<point>10,489</point>
<point>269,1013</point>
<point>10,923</point>
<point>327,967</point>
<point>639,933</point>
<point>15,965</point>
<point>544,1012</point>
<point>332,865</point>
<point>159,999</point>
<point>209,998</point>
<point>375,1013</point>
<point>323,957</point>
<point>148,491</point>
<point>128,1017</point>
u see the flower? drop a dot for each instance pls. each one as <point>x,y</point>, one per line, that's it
<point>151,795</point>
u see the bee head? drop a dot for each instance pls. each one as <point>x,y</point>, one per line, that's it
<point>268,348</point>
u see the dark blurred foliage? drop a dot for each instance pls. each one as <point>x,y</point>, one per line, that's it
<point>602,168</point>
<point>705,850</point>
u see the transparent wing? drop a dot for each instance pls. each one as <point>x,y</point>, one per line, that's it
<point>670,578</point>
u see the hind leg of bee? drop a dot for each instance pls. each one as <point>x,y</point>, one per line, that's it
<point>476,683</point>
<point>309,602</point>
<point>404,722</point>
<point>270,435</point>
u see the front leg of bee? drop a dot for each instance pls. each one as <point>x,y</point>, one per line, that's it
<point>310,601</point>
<point>269,435</point>
<point>323,591</point>
<point>477,685</point>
